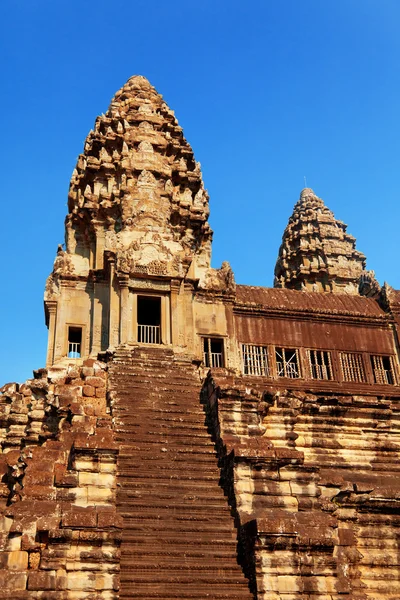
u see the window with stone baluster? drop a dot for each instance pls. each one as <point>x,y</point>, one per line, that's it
<point>287,362</point>
<point>352,366</point>
<point>255,360</point>
<point>320,363</point>
<point>383,368</point>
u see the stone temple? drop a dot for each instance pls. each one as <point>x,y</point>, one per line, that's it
<point>190,437</point>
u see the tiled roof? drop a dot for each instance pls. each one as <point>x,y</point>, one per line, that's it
<point>284,299</point>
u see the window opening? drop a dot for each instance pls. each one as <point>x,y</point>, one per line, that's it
<point>74,342</point>
<point>352,367</point>
<point>320,364</point>
<point>255,360</point>
<point>149,319</point>
<point>213,352</point>
<point>287,362</point>
<point>383,368</point>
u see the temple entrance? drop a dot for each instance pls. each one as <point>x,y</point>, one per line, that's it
<point>149,319</point>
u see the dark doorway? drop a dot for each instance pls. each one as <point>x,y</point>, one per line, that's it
<point>74,342</point>
<point>149,319</point>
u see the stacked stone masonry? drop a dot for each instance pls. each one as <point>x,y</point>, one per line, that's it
<point>191,437</point>
<point>60,532</point>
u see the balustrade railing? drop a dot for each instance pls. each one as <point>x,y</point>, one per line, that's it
<point>74,350</point>
<point>149,334</point>
<point>213,360</point>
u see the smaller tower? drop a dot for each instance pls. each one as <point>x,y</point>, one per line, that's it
<point>317,254</point>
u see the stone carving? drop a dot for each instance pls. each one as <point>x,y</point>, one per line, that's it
<point>145,126</point>
<point>145,147</point>
<point>221,280</point>
<point>368,285</point>
<point>146,178</point>
<point>127,190</point>
<point>317,254</point>
<point>63,263</point>
<point>149,256</point>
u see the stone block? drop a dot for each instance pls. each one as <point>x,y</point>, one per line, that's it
<point>38,478</point>
<point>95,381</point>
<point>88,390</point>
<point>109,519</point>
<point>97,479</point>
<point>42,580</point>
<point>80,517</point>
<point>13,581</point>
<point>81,580</point>
<point>13,542</point>
<point>34,560</point>
<point>16,560</point>
<point>99,495</point>
<point>88,371</point>
<point>42,492</point>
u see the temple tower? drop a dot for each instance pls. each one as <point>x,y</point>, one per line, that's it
<point>136,234</point>
<point>317,254</point>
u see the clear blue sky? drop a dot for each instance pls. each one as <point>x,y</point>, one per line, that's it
<point>267,91</point>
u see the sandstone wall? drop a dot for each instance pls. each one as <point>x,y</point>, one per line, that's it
<point>316,488</point>
<point>60,534</point>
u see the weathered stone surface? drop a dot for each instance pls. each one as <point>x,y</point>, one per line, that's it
<point>317,254</point>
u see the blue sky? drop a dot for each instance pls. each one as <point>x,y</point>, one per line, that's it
<point>267,92</point>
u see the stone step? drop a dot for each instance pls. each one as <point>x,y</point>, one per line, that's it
<point>146,526</point>
<point>163,540</point>
<point>162,462</point>
<point>137,506</point>
<point>178,450</point>
<point>161,414</point>
<point>179,539</point>
<point>201,556</point>
<point>175,484</point>
<point>135,502</point>
<point>183,592</point>
<point>198,578</point>
<point>149,461</point>
<point>155,478</point>
<point>218,567</point>
<point>216,516</point>
<point>176,443</point>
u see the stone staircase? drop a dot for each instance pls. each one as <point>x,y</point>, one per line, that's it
<point>179,539</point>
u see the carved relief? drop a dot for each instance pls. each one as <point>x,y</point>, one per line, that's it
<point>221,280</point>
<point>317,254</point>
<point>146,178</point>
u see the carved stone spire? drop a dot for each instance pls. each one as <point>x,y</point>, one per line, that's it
<point>316,252</point>
<point>137,190</point>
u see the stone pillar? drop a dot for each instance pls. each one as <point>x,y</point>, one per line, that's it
<point>123,324</point>
<point>189,317</point>
<point>164,320</point>
<point>100,244</point>
<point>52,309</point>
<point>232,358</point>
<point>175,330</point>
<point>111,316</point>
<point>134,318</point>
<point>167,305</point>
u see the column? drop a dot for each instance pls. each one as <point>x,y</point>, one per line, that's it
<point>52,310</point>
<point>100,244</point>
<point>134,318</point>
<point>111,316</point>
<point>175,330</point>
<point>123,284</point>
